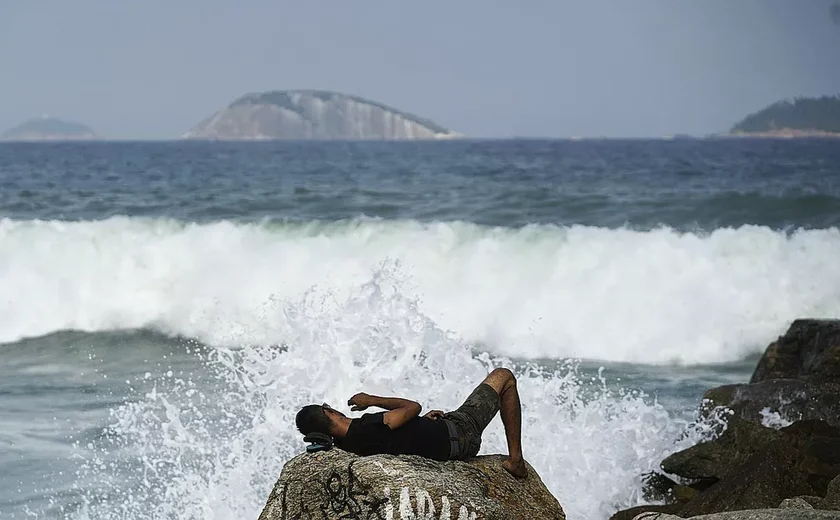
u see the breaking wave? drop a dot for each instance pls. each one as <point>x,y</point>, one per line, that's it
<point>541,291</point>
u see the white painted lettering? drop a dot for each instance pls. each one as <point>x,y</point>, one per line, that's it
<point>389,507</point>
<point>406,509</point>
<point>444,508</point>
<point>425,506</point>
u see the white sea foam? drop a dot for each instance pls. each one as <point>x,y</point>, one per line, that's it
<point>658,296</point>
<point>774,419</point>
<point>198,451</point>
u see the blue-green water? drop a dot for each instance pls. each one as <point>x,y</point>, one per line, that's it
<point>682,184</point>
<point>166,307</point>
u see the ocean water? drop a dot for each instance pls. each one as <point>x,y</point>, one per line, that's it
<point>165,308</point>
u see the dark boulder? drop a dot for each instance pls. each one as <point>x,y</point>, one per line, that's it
<point>762,481</point>
<point>810,349</point>
<point>715,459</point>
<point>750,466</point>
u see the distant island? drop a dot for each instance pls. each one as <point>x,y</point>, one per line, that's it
<point>801,117</point>
<point>48,129</point>
<point>313,114</point>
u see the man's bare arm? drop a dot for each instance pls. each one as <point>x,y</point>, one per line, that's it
<point>401,410</point>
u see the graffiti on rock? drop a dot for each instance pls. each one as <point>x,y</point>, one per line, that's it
<point>341,495</point>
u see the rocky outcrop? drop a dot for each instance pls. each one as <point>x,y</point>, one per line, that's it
<point>797,378</point>
<point>762,481</point>
<point>335,484</point>
<point>48,129</point>
<point>313,114</point>
<point>753,465</point>
<point>715,459</point>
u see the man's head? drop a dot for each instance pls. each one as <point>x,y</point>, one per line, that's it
<point>318,418</point>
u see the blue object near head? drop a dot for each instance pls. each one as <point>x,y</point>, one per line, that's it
<point>318,442</point>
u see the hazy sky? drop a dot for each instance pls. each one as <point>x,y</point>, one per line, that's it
<point>154,68</point>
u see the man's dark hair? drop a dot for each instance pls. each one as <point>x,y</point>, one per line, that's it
<point>313,419</point>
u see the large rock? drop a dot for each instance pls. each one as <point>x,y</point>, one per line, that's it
<point>715,459</point>
<point>751,467</point>
<point>814,446</point>
<point>762,481</point>
<point>809,349</point>
<point>339,485</point>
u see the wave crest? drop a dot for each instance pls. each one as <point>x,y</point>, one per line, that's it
<point>657,296</point>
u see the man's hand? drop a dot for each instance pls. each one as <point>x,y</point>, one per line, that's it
<point>360,402</point>
<point>401,410</point>
<point>434,415</point>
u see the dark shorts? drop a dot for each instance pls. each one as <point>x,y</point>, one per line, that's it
<point>468,422</point>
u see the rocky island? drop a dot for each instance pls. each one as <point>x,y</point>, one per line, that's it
<point>49,129</point>
<point>313,114</point>
<point>802,117</point>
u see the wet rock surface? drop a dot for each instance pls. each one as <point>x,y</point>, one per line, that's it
<point>779,455</point>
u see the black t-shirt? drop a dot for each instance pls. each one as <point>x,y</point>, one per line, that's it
<point>369,435</point>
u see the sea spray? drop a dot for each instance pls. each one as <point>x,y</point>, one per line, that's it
<point>211,445</point>
<point>540,291</point>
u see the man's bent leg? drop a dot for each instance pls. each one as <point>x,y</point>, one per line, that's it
<point>503,382</point>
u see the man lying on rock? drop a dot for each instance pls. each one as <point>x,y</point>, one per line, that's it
<point>437,435</point>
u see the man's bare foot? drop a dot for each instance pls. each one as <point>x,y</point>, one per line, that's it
<point>516,468</point>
